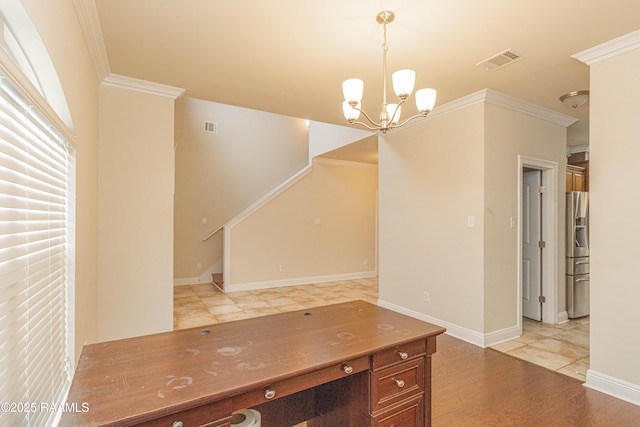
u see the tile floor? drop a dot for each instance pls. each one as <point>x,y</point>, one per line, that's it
<point>563,348</point>
<point>204,304</point>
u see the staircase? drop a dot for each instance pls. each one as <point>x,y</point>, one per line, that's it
<point>322,139</point>
<point>218,280</point>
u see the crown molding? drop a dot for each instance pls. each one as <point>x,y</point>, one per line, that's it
<point>465,101</point>
<point>515,104</point>
<point>578,149</point>
<point>144,86</point>
<point>609,49</point>
<point>92,31</point>
<point>500,99</point>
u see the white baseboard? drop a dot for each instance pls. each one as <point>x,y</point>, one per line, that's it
<point>203,278</point>
<point>460,332</point>
<point>615,387</point>
<point>563,317</point>
<point>250,286</point>
<point>503,335</point>
<point>456,331</point>
<point>187,281</point>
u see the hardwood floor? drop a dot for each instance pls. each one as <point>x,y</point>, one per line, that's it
<point>483,387</point>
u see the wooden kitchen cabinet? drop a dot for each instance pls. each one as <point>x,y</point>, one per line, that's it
<point>576,178</point>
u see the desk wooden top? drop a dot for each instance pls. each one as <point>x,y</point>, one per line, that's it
<point>136,379</point>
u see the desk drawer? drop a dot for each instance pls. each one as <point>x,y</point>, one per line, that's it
<point>217,414</point>
<point>299,383</point>
<point>408,414</point>
<point>398,354</point>
<point>396,383</point>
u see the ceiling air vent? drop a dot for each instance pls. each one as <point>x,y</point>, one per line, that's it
<point>211,127</point>
<point>500,60</point>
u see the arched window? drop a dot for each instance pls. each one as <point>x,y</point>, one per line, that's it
<point>21,42</point>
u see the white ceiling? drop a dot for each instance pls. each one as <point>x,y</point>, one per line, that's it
<point>291,56</point>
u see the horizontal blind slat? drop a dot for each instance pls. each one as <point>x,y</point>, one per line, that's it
<point>35,198</point>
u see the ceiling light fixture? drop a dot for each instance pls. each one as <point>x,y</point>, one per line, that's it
<point>575,99</point>
<point>403,82</point>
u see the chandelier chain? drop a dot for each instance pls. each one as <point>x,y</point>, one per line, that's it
<point>385,49</point>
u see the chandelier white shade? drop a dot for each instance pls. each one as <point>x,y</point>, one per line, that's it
<point>403,84</point>
<point>393,112</point>
<point>353,89</point>
<point>351,113</point>
<point>425,99</point>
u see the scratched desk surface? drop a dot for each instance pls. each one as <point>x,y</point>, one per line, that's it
<point>134,379</point>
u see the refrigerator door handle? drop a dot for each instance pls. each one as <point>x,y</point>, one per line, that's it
<point>582,279</point>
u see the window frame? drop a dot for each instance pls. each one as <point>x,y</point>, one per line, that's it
<point>30,97</point>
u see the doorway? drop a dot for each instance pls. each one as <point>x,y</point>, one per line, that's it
<point>537,295</point>
<point>532,266</point>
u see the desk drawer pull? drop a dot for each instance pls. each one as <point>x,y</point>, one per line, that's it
<point>177,424</point>
<point>403,355</point>
<point>269,394</point>
<point>347,369</point>
<point>399,383</point>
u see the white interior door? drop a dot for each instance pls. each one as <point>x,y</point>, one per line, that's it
<point>531,252</point>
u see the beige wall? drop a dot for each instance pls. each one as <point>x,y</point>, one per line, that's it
<point>218,175</point>
<point>136,176</point>
<point>509,134</point>
<point>342,196</point>
<point>434,176</point>
<point>613,168</point>
<point>58,27</point>
<point>427,191</point>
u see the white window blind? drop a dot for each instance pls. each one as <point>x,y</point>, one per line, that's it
<point>36,258</point>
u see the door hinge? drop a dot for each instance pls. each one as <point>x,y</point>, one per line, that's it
<point>542,244</point>
<point>542,189</point>
<point>541,299</point>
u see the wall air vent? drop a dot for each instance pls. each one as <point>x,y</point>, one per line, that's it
<point>500,60</point>
<point>211,127</point>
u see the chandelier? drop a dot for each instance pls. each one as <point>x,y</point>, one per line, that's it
<point>403,82</point>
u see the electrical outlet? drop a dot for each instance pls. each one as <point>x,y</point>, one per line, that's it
<point>366,261</point>
<point>425,296</point>
<point>199,266</point>
<point>281,268</point>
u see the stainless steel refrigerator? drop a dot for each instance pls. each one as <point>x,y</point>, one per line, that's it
<point>577,245</point>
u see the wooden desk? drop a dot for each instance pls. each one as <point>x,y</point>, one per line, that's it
<point>351,364</point>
